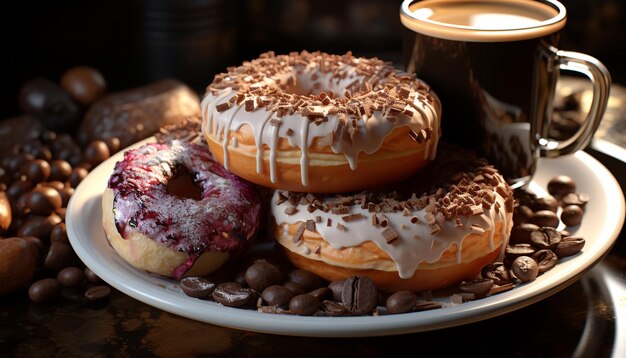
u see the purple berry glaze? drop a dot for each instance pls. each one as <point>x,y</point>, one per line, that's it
<point>225,219</point>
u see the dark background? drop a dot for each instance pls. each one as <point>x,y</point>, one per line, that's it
<point>136,42</point>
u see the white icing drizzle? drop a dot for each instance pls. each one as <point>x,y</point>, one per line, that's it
<point>367,138</point>
<point>416,242</point>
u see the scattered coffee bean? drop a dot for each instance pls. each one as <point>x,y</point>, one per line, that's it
<point>522,214</point>
<point>59,233</point>
<point>545,218</point>
<point>60,170</point>
<point>39,226</point>
<point>575,199</point>
<point>96,152</point>
<point>572,215</point>
<point>401,302</point>
<point>97,293</point>
<point>43,200</point>
<point>479,287</point>
<point>514,251</point>
<point>276,295</point>
<point>308,280</point>
<point>337,288</point>
<point>359,295</point>
<point>71,276</point>
<point>85,84</point>
<point>91,276</point>
<point>332,309</point>
<point>546,260</point>
<point>525,268</point>
<point>561,185</point>
<point>234,297</point>
<point>198,287</point>
<point>44,290</point>
<point>263,274</point>
<point>547,202</point>
<point>77,175</point>
<point>60,255</point>
<point>17,264</point>
<point>36,171</point>
<point>304,304</point>
<point>545,238</point>
<point>497,272</point>
<point>322,293</point>
<point>520,234</point>
<point>295,288</point>
<point>569,246</point>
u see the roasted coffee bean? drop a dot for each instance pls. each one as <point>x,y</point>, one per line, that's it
<point>59,255</point>
<point>575,199</point>
<point>322,293</point>
<point>17,264</point>
<point>520,234</point>
<point>569,246</point>
<point>547,202</point>
<point>525,268</point>
<point>66,193</point>
<point>545,218</point>
<point>304,304</point>
<point>96,152</point>
<point>514,251</point>
<point>36,171</point>
<point>17,188</point>
<point>85,84</point>
<point>296,288</point>
<point>359,295</point>
<point>522,214</point>
<point>43,200</point>
<point>234,297</point>
<point>545,238</point>
<point>39,226</point>
<point>44,290</point>
<point>572,215</point>
<point>60,170</point>
<point>6,214</point>
<point>13,164</point>
<point>565,233</point>
<point>308,280</point>
<point>198,287</point>
<point>263,274</point>
<point>45,100</point>
<point>401,302</point>
<point>71,276</point>
<point>546,260</point>
<point>113,143</point>
<point>40,248</point>
<point>479,287</point>
<point>332,309</point>
<point>54,184</point>
<point>91,276</point>
<point>277,295</point>
<point>59,233</point>
<point>230,285</point>
<point>61,213</point>
<point>77,175</point>
<point>97,293</point>
<point>337,288</point>
<point>561,185</point>
<point>497,272</point>
<point>35,148</point>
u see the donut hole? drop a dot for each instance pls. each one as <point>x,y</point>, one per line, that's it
<point>184,186</point>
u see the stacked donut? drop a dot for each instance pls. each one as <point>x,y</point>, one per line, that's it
<point>350,146</point>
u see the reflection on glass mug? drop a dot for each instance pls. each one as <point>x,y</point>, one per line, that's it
<point>494,65</point>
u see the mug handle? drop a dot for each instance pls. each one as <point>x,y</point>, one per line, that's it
<point>601,80</point>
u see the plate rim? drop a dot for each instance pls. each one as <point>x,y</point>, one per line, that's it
<point>154,295</point>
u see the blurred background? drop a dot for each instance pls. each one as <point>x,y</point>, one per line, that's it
<point>139,41</point>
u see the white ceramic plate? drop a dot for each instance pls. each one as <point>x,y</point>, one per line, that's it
<point>601,225</point>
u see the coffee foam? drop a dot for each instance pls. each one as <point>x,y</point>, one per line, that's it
<point>483,20</point>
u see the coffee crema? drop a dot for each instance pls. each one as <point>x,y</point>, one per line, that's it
<point>483,20</point>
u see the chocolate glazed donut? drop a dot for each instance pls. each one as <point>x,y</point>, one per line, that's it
<point>166,232</point>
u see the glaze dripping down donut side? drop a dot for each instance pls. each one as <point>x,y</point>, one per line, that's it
<point>318,103</point>
<point>397,229</point>
<point>224,219</point>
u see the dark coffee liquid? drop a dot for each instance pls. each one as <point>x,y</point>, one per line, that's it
<point>492,92</point>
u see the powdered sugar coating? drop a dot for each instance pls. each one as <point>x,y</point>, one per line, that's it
<point>225,219</point>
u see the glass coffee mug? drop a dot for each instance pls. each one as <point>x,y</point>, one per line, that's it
<point>494,64</point>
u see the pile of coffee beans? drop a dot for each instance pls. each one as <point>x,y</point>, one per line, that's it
<point>535,246</point>
<point>39,172</point>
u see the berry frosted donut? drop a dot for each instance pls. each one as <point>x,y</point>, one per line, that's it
<point>400,239</point>
<point>320,123</point>
<point>170,209</point>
